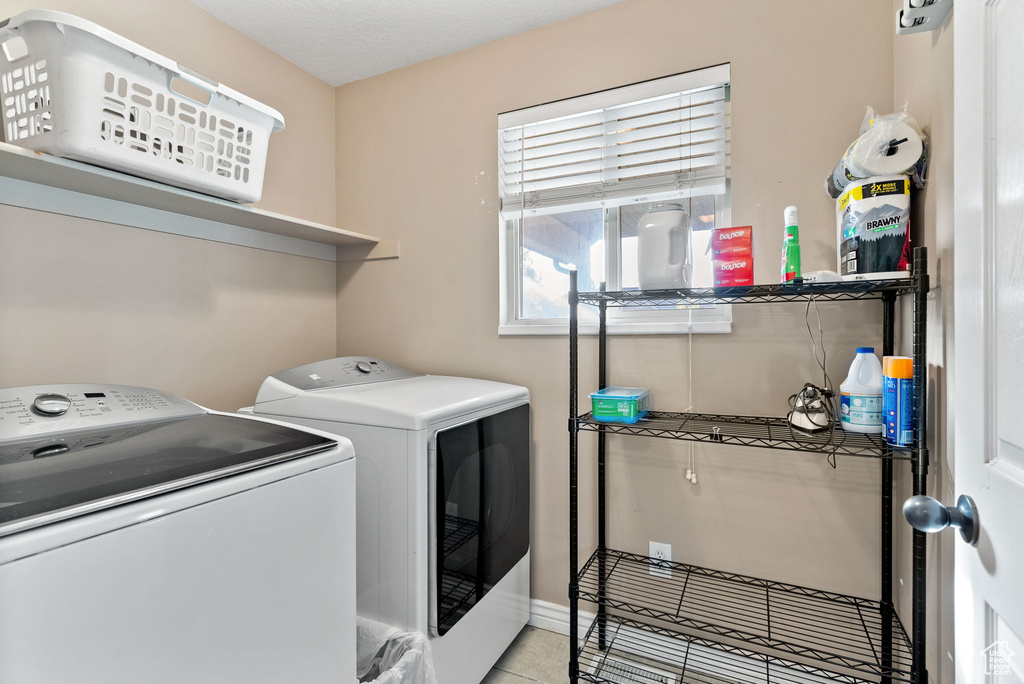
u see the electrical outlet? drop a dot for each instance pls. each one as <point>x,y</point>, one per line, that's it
<point>661,556</point>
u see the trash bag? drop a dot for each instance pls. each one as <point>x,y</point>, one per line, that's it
<point>385,655</point>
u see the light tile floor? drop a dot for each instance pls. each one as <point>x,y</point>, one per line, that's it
<point>536,655</point>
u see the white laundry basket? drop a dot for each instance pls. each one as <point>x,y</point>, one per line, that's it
<point>74,89</point>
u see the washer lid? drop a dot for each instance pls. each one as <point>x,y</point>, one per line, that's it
<point>411,403</point>
<point>52,477</point>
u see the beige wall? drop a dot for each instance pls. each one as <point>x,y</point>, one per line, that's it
<point>417,160</point>
<point>924,80</point>
<point>89,301</point>
<point>94,302</point>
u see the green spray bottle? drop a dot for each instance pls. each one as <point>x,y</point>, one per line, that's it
<point>791,247</point>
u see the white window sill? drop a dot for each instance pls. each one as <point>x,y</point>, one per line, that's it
<point>682,327</point>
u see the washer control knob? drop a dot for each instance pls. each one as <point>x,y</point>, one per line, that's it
<point>51,404</point>
<point>363,367</point>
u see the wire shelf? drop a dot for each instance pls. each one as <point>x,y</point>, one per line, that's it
<point>798,629</point>
<point>754,294</point>
<point>458,531</point>
<point>638,653</point>
<point>754,431</point>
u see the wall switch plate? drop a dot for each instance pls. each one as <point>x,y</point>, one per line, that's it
<point>661,556</point>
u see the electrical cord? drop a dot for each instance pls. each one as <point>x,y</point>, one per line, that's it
<point>811,393</point>
<point>821,340</point>
<point>691,462</point>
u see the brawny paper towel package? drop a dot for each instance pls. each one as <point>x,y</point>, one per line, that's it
<point>873,218</point>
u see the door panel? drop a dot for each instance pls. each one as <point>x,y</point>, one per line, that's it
<point>482,516</point>
<point>989,335</point>
<point>1006,109</point>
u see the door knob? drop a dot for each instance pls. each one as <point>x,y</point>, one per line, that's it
<point>929,515</point>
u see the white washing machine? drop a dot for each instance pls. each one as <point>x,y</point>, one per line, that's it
<point>443,503</point>
<point>146,539</point>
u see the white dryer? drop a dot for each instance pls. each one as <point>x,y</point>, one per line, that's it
<point>146,539</point>
<point>443,499</point>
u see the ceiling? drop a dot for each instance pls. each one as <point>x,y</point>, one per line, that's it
<point>345,40</point>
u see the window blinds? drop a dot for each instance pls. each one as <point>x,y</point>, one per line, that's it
<point>659,139</point>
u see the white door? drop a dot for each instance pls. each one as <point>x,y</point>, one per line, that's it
<point>989,365</point>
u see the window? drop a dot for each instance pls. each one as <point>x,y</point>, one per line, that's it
<point>577,175</point>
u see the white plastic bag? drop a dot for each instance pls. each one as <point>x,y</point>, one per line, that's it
<point>888,144</point>
<point>385,655</point>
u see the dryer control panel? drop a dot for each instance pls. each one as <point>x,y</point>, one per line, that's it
<point>343,371</point>
<point>51,409</point>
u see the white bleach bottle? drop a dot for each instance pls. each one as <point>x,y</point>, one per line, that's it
<point>860,395</point>
<point>664,260</point>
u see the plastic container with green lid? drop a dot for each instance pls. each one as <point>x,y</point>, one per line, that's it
<point>619,404</point>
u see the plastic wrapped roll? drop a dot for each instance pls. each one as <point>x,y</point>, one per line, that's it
<point>891,144</point>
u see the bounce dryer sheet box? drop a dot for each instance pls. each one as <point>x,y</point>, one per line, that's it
<point>733,256</point>
<point>734,272</point>
<point>732,242</point>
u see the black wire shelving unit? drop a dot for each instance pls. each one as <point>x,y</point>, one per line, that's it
<point>694,625</point>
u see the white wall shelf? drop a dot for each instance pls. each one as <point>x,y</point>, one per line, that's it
<point>101,194</point>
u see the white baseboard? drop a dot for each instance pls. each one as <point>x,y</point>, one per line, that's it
<point>555,618</point>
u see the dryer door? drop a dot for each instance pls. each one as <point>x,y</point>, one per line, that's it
<point>482,516</point>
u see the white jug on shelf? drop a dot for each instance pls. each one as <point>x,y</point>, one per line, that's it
<point>663,250</point>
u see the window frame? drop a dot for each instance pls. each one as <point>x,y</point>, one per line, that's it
<point>620,321</point>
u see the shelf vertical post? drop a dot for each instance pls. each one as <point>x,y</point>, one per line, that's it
<point>920,462</point>
<point>602,382</point>
<point>573,492</point>
<point>888,349</point>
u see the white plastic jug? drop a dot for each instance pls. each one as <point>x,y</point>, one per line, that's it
<point>663,248</point>
<point>860,395</point>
